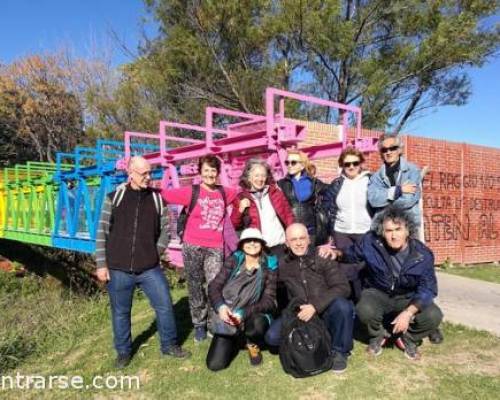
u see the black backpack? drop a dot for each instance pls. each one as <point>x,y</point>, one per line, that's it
<point>305,348</point>
<point>184,214</point>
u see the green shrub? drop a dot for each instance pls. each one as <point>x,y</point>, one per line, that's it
<point>39,314</point>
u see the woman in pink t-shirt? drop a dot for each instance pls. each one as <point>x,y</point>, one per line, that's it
<point>203,242</point>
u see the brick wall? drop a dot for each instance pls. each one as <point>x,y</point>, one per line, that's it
<point>461,195</point>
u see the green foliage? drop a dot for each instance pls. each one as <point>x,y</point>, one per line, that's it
<point>484,272</point>
<point>11,285</point>
<point>465,365</point>
<point>214,52</point>
<point>39,314</point>
<point>10,106</point>
<point>395,58</point>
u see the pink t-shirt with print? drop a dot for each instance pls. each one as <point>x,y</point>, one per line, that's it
<point>205,222</point>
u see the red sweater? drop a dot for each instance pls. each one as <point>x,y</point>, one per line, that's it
<point>279,202</point>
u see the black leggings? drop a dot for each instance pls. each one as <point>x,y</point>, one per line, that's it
<point>223,349</point>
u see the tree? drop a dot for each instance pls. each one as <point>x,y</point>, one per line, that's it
<point>222,53</point>
<point>37,110</point>
<point>53,102</point>
<point>10,145</point>
<point>113,98</point>
<point>395,58</point>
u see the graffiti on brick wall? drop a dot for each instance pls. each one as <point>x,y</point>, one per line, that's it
<point>453,209</point>
<point>449,181</point>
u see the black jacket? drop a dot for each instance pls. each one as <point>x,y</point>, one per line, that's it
<point>317,280</point>
<point>303,211</point>
<point>129,232</point>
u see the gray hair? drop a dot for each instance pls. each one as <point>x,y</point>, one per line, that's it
<point>397,216</point>
<point>249,166</point>
<point>136,160</point>
<point>386,136</point>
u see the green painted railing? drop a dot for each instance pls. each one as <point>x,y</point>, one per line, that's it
<point>29,201</point>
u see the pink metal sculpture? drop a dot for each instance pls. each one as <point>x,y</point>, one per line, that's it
<point>266,136</point>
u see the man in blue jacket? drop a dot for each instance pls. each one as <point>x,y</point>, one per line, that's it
<point>400,284</point>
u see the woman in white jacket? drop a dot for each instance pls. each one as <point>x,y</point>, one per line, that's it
<point>345,202</point>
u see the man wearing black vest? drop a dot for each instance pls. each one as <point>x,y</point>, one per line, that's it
<point>132,234</point>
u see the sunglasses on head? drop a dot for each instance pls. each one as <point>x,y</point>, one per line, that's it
<point>351,164</point>
<point>384,150</point>
<point>293,163</point>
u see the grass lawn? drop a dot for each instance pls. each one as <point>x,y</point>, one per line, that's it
<point>485,272</point>
<point>78,342</point>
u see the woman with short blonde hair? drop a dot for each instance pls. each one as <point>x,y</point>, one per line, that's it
<point>303,191</point>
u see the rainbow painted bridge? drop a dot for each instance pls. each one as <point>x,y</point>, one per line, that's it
<point>58,204</point>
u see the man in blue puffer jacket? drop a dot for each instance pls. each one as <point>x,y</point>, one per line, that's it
<point>400,280</point>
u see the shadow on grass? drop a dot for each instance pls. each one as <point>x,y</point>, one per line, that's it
<point>182,319</point>
<point>143,337</point>
<point>69,268</point>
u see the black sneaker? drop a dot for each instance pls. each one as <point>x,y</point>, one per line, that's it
<point>409,346</point>
<point>436,336</point>
<point>122,361</point>
<point>339,363</point>
<point>376,345</point>
<point>177,352</point>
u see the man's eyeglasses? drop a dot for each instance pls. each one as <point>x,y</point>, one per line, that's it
<point>384,150</point>
<point>351,164</point>
<point>142,174</point>
<point>293,163</point>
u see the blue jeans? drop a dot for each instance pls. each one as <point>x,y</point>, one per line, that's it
<point>339,319</point>
<point>121,290</point>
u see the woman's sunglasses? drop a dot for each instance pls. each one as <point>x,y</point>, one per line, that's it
<point>351,164</point>
<point>252,241</point>
<point>293,163</point>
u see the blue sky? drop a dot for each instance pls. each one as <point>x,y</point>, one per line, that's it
<point>28,26</point>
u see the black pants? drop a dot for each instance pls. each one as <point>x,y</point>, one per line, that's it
<point>351,271</point>
<point>374,305</point>
<point>281,294</point>
<point>223,349</point>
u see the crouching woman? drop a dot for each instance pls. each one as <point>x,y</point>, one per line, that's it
<point>243,297</point>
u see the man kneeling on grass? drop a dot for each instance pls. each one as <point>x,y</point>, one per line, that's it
<point>400,284</point>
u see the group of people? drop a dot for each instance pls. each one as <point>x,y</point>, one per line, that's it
<point>348,250</point>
